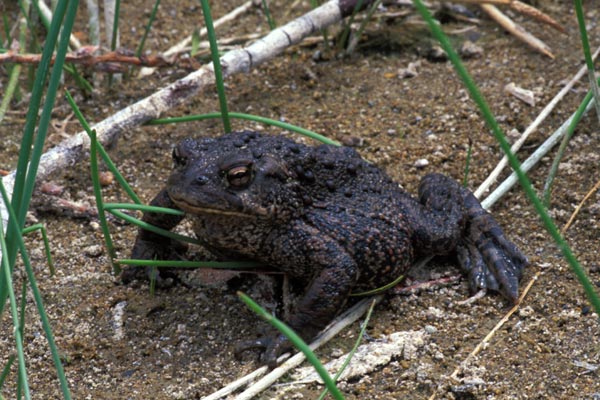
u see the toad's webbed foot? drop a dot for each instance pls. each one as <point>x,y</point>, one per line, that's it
<point>487,256</point>
<point>150,250</point>
<point>274,345</point>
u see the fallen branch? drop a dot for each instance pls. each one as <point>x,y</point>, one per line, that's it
<point>85,56</point>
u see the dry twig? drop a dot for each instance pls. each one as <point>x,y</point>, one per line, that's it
<point>530,129</point>
<point>578,208</point>
<point>491,334</point>
<point>516,30</point>
<point>85,56</point>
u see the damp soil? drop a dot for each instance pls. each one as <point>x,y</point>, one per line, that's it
<point>121,342</point>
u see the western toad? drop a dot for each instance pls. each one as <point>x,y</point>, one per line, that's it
<point>325,217</point>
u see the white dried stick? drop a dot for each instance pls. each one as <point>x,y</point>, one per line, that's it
<point>532,128</point>
<point>184,44</point>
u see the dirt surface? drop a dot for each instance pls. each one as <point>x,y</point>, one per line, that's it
<point>178,344</point>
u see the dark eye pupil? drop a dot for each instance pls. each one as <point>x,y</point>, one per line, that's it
<point>239,176</point>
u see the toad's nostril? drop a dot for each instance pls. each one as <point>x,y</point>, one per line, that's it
<point>201,180</point>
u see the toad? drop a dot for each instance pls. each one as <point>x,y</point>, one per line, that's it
<point>329,219</point>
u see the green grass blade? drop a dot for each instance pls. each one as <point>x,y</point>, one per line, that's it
<point>361,334</point>
<point>563,146</point>
<point>24,166</point>
<point>7,35</point>
<point>42,230</point>
<point>105,157</point>
<point>152,228</point>
<point>6,370</point>
<point>191,264</point>
<point>514,163</point>
<point>587,55</point>
<point>250,117</point>
<point>15,70</point>
<point>53,84</point>
<point>141,207</point>
<point>270,20</point>
<point>38,298</point>
<point>362,26</point>
<point>214,52</point>
<point>14,313</point>
<point>115,26</point>
<point>346,31</point>
<point>195,43</point>
<point>140,48</point>
<point>100,202</point>
<point>296,341</point>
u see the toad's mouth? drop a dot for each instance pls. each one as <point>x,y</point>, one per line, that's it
<point>196,209</point>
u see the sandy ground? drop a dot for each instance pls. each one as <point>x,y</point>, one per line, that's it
<point>178,343</point>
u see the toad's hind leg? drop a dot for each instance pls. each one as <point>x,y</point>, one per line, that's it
<point>460,223</point>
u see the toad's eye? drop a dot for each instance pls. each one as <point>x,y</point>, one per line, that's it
<point>179,158</point>
<point>239,176</point>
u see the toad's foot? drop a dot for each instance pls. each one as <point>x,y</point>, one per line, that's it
<point>489,258</point>
<point>273,345</point>
<point>145,250</point>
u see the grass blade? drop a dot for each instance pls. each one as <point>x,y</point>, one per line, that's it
<point>26,165</point>
<point>140,48</point>
<point>588,55</point>
<point>37,296</point>
<point>250,117</point>
<point>296,341</point>
<point>100,202</point>
<point>214,51</point>
<point>270,20</point>
<point>361,334</point>
<point>15,315</point>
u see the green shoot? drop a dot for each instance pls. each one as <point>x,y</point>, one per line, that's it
<point>256,118</point>
<point>42,229</point>
<point>270,20</point>
<point>140,48</point>
<point>588,55</point>
<point>361,334</point>
<point>563,145</point>
<point>214,51</point>
<point>296,341</point>
<point>346,31</point>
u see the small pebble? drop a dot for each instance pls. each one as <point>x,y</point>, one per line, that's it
<point>352,141</point>
<point>106,178</point>
<point>430,329</point>
<point>93,251</point>
<point>421,163</point>
<point>470,49</point>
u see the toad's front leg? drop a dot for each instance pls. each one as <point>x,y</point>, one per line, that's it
<point>153,246</point>
<point>302,250</point>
